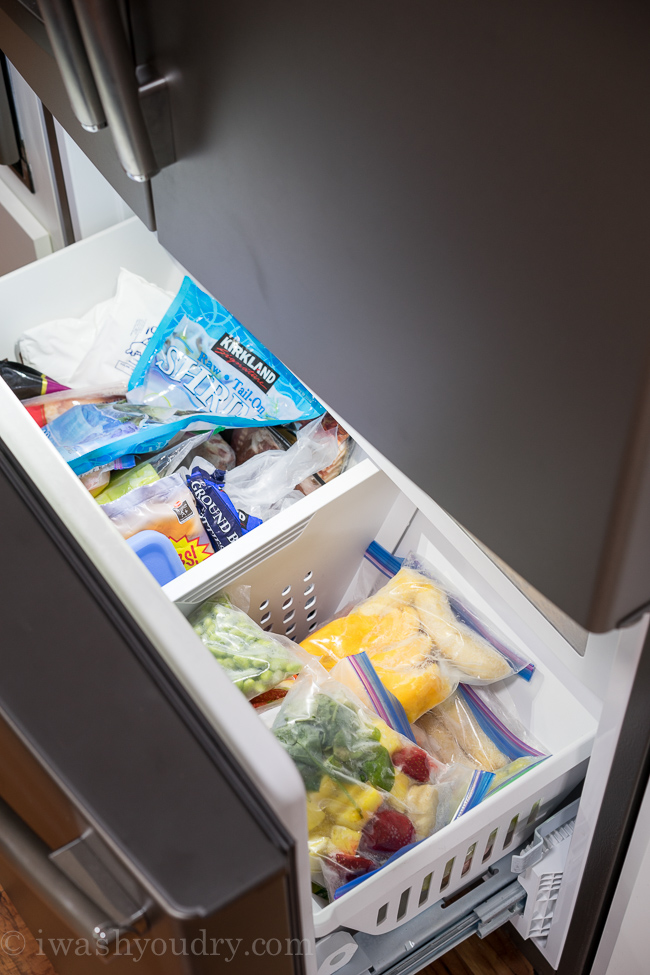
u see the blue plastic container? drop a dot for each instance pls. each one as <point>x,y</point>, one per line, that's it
<point>158,554</point>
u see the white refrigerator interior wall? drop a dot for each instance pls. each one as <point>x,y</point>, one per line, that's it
<point>31,224</point>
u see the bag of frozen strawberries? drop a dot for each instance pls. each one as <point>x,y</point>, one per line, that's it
<point>371,792</point>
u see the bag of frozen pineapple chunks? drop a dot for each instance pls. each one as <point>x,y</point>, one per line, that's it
<point>473,728</point>
<point>421,640</point>
<point>371,792</point>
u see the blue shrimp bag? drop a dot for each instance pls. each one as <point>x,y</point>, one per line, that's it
<point>200,358</point>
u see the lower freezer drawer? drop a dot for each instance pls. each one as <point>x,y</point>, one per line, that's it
<point>298,583</point>
<point>509,890</point>
<point>490,901</point>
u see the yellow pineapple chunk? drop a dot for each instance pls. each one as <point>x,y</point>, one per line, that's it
<point>423,808</point>
<point>318,847</point>
<point>389,738</point>
<point>400,788</point>
<point>327,789</point>
<point>344,839</point>
<point>315,815</point>
<point>354,809</point>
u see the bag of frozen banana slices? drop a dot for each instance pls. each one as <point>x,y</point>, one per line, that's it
<point>421,639</point>
<point>371,792</point>
<point>473,728</point>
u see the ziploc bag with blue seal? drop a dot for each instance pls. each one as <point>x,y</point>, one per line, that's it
<point>379,564</point>
<point>371,793</point>
<point>93,434</point>
<point>473,727</point>
<point>357,673</point>
<point>202,359</point>
<point>471,644</point>
<point>420,647</point>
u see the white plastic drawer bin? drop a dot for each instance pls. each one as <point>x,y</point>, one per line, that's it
<point>297,578</point>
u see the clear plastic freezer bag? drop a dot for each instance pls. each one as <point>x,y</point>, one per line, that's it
<point>89,435</point>
<point>261,484</point>
<point>473,728</point>
<point>153,468</point>
<point>46,408</point>
<point>371,792</point>
<point>202,359</point>
<point>418,643</point>
<point>254,660</point>
<point>166,506</point>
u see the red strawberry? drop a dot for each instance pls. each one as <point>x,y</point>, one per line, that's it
<point>413,762</point>
<point>350,867</point>
<point>275,694</point>
<point>388,831</point>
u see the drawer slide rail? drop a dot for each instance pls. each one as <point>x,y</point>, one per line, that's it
<point>408,949</point>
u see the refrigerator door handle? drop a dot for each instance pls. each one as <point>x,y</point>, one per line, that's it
<point>68,47</point>
<point>106,42</point>
<point>28,856</point>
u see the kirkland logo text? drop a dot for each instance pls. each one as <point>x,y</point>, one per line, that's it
<point>246,361</point>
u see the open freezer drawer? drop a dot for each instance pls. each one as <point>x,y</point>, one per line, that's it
<point>308,554</point>
<point>299,582</point>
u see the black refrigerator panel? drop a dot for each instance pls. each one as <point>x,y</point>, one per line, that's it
<point>438,214</point>
<point>120,808</point>
<point>25,42</point>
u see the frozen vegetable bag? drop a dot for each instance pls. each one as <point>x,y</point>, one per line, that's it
<point>254,660</point>
<point>202,359</point>
<point>371,792</point>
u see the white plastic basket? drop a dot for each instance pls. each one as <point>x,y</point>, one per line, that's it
<point>299,566</point>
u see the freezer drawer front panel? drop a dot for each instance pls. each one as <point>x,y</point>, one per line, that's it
<point>112,741</point>
<point>434,214</point>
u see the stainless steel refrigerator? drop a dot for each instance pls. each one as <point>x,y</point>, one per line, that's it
<point>437,215</point>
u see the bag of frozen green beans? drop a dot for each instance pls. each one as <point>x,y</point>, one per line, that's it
<point>254,660</point>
